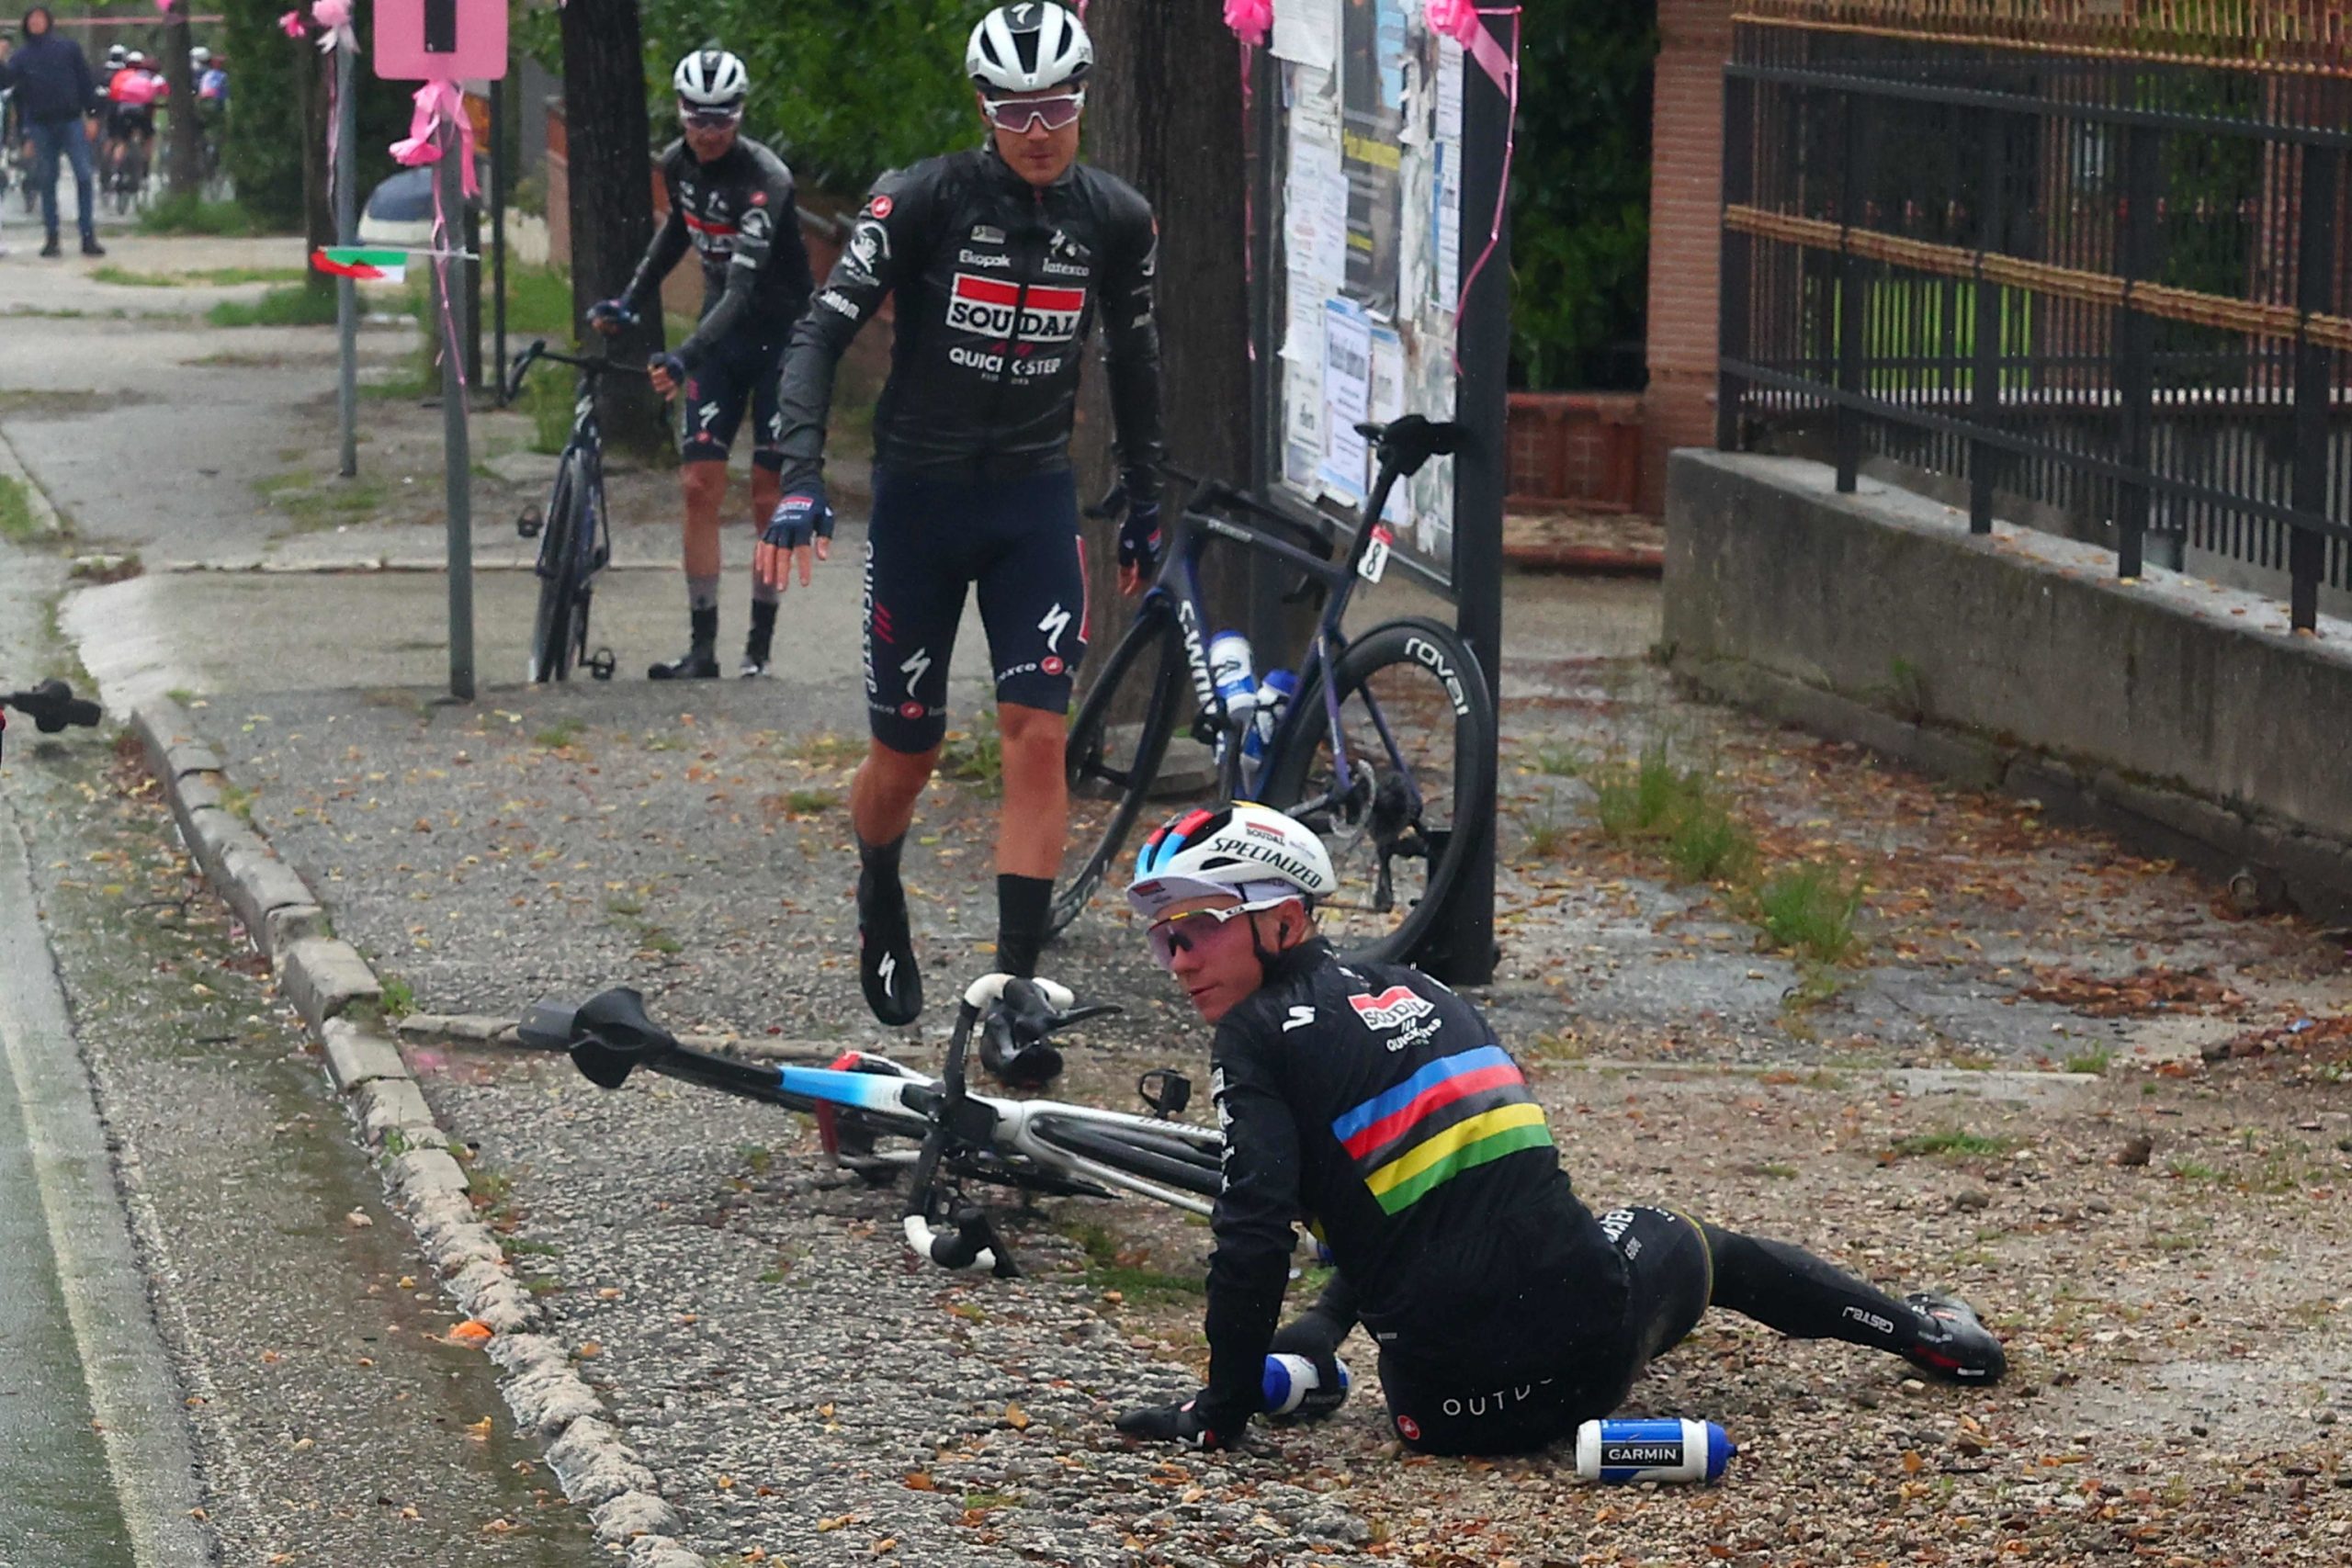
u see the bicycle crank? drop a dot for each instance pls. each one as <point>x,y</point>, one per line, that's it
<point>531,521</point>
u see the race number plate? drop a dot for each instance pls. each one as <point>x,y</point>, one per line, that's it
<point>1376,555</point>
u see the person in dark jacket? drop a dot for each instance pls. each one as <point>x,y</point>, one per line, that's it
<point>55,94</point>
<point>1373,1104</point>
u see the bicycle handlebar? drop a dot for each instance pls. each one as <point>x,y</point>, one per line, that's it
<point>52,705</point>
<point>604,365</point>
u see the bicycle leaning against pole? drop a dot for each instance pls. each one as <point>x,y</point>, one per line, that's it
<point>575,539</point>
<point>1388,741</point>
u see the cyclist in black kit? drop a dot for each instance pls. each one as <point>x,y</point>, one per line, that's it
<point>731,200</point>
<point>1377,1106</point>
<point>1000,259</point>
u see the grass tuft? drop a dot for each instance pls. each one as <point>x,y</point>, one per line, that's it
<point>976,756</point>
<point>192,214</point>
<point>1953,1141</point>
<point>15,512</point>
<point>1809,909</point>
<point>296,305</point>
<point>127,277</point>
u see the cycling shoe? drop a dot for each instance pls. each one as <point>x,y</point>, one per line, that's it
<point>886,951</point>
<point>699,663</point>
<point>1953,1344</point>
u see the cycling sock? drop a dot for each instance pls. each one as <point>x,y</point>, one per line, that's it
<point>763,621</point>
<point>702,593</point>
<point>885,949</point>
<point>1022,905</point>
<point>1788,1289</point>
<point>764,594</point>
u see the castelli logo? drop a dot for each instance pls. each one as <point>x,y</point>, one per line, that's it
<point>880,206</point>
<point>1408,1429</point>
<point>1052,666</point>
<point>911,710</point>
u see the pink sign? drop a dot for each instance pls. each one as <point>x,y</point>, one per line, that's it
<point>431,40</point>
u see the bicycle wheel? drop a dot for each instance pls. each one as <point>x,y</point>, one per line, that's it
<point>1167,1159</point>
<point>1116,744</point>
<point>1417,732</point>
<point>553,640</point>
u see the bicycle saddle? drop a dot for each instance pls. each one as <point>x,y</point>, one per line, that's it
<point>608,1036</point>
<point>52,705</point>
<point>1412,440</point>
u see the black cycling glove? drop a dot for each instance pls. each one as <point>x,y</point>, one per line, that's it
<point>1310,1339</point>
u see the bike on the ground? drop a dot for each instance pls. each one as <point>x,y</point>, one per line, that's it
<point>52,705</point>
<point>1386,748</point>
<point>879,1118</point>
<point>575,541</point>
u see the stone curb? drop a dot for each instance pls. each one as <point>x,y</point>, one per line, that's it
<point>45,519</point>
<point>332,985</point>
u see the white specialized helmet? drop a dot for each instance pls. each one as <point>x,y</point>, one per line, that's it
<point>199,57</point>
<point>134,59</point>
<point>711,79</point>
<point>117,53</point>
<point>1028,47</point>
<point>1252,853</point>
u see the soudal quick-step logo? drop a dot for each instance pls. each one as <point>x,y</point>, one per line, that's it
<point>987,307</point>
<point>1391,1008</point>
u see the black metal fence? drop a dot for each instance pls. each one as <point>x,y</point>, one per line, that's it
<point>2096,277</point>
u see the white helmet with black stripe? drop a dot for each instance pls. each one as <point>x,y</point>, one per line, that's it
<point>711,79</point>
<point>1253,853</point>
<point>1028,48</point>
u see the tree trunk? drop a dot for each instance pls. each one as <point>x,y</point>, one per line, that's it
<point>310,75</point>
<point>183,161</point>
<point>1185,152</point>
<point>612,198</point>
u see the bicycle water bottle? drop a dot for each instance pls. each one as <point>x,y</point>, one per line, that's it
<point>1235,681</point>
<point>1275,694</point>
<point>1623,1451</point>
<point>1290,1379</point>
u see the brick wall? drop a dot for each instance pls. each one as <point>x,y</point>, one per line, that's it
<point>1686,217</point>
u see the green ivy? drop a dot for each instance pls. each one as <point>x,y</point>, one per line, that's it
<point>1580,194</point>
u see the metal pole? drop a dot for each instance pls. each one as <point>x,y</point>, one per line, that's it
<point>2135,381</point>
<point>346,233</point>
<point>2314,269</point>
<point>1480,478</point>
<point>456,454</point>
<point>1990,345</point>
<point>498,91</point>
<point>1848,436</point>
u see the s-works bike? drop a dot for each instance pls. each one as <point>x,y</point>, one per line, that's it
<point>575,542</point>
<point>879,1118</point>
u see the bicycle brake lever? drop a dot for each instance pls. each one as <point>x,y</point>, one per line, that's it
<point>1062,1021</point>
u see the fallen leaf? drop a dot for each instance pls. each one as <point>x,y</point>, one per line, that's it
<point>473,1331</point>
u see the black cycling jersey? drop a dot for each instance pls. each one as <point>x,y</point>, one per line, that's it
<point>739,215</point>
<point>998,283</point>
<point>1377,1105</point>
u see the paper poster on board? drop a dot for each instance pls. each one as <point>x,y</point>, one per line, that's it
<point>1347,399</point>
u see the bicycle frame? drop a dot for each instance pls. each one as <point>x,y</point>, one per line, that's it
<point>964,1134</point>
<point>1178,585</point>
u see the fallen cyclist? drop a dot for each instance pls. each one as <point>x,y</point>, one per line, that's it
<point>1378,1107</point>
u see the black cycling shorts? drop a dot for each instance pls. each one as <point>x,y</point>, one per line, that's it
<point>931,538</point>
<point>1669,1277</point>
<point>738,373</point>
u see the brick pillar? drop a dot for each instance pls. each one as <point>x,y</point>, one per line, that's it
<point>1686,226</point>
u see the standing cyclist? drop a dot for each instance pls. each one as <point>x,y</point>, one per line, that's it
<point>1378,1106</point>
<point>1000,258</point>
<point>731,199</point>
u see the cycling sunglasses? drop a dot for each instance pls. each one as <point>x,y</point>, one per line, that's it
<point>709,119</point>
<point>1056,113</point>
<point>1177,933</point>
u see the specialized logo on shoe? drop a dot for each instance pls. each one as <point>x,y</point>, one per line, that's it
<point>888,971</point>
<point>1299,1018</point>
<point>914,666</point>
<point>992,308</point>
<point>1391,1008</point>
<point>1057,622</point>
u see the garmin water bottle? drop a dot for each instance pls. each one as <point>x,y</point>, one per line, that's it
<point>1275,694</point>
<point>1290,1379</point>
<point>1235,679</point>
<point>1624,1451</point>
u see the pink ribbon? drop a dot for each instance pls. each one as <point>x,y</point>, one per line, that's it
<point>438,103</point>
<point>334,17</point>
<point>1250,20</point>
<point>290,23</point>
<point>1458,19</point>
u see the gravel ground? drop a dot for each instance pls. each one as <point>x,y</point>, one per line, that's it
<point>2155,1234</point>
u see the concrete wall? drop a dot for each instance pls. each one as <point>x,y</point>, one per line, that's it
<point>2181,713</point>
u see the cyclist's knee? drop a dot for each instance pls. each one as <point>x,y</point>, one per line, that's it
<point>1036,731</point>
<point>895,774</point>
<point>703,480</point>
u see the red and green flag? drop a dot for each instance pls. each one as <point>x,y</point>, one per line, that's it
<point>369,265</point>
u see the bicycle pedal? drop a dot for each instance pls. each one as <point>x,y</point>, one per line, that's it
<point>530,524</point>
<point>601,664</point>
